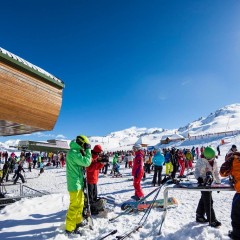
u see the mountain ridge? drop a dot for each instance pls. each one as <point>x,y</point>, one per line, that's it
<point>224,119</point>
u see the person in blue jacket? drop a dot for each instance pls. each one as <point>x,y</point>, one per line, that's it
<point>158,161</point>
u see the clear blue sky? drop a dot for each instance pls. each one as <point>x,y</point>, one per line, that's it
<point>128,63</point>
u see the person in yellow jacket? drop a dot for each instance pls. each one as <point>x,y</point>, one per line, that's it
<point>78,157</point>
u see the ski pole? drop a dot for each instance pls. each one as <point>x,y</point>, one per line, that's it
<point>111,233</point>
<point>143,219</point>
<point>89,215</point>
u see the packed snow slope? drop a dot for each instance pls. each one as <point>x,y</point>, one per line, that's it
<point>44,217</point>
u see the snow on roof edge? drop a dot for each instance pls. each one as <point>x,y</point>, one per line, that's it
<point>21,60</point>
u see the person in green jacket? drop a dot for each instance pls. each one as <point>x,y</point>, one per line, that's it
<point>116,166</point>
<point>78,157</point>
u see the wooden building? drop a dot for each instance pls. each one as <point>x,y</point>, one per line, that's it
<point>30,97</point>
<point>171,138</point>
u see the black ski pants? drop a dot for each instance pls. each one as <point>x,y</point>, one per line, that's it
<point>92,193</point>
<point>34,163</point>
<point>205,206</point>
<point>175,168</point>
<point>235,215</point>
<point>105,168</point>
<point>148,167</point>
<point>19,175</point>
<point>157,174</point>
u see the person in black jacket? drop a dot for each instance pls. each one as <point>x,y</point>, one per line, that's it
<point>6,167</point>
<point>174,162</point>
<point>19,174</point>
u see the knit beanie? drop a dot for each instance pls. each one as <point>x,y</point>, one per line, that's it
<point>97,148</point>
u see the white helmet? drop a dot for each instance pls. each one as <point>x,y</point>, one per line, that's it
<point>137,146</point>
<point>158,150</point>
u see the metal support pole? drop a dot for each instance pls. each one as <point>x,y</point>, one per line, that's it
<point>186,189</point>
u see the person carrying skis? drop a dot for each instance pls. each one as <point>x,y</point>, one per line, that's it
<point>158,161</point>
<point>137,171</point>
<point>78,157</point>
<point>231,167</point>
<point>98,160</point>
<point>206,167</point>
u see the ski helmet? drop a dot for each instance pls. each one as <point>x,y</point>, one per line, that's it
<point>81,139</point>
<point>137,146</point>
<point>209,153</point>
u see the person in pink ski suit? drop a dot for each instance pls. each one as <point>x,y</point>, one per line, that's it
<point>181,162</point>
<point>137,171</point>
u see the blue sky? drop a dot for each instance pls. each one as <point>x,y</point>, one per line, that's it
<point>129,63</point>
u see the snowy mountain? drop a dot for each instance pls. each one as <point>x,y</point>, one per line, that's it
<point>223,120</point>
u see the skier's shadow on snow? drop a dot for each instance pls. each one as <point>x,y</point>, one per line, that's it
<point>36,233</point>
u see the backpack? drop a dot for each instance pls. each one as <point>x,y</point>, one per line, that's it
<point>225,169</point>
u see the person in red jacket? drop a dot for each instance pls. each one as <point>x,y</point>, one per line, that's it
<point>98,160</point>
<point>137,171</point>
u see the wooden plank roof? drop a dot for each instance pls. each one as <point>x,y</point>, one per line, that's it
<point>30,98</point>
<point>20,63</point>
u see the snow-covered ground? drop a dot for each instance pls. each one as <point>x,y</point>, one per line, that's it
<point>44,217</point>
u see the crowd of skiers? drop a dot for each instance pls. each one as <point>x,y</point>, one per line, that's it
<point>83,166</point>
<point>13,164</point>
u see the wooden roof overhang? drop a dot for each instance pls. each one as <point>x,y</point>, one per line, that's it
<point>30,98</point>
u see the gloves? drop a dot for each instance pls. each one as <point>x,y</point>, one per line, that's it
<point>82,152</point>
<point>209,178</point>
<point>103,159</point>
<point>86,146</point>
<point>200,180</point>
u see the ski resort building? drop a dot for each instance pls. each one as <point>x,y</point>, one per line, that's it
<point>48,146</point>
<point>30,98</point>
<point>171,138</point>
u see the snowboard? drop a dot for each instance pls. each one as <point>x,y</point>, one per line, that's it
<point>142,206</point>
<point>191,185</point>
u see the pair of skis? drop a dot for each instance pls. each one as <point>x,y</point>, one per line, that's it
<point>131,208</point>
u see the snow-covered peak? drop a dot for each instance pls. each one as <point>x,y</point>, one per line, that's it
<point>222,120</point>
